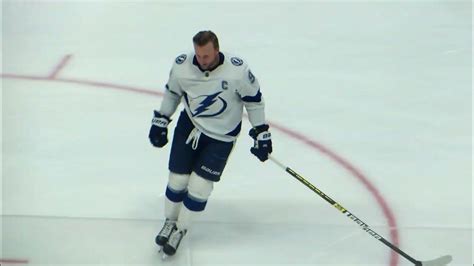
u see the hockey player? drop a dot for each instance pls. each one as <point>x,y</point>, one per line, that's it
<point>214,87</point>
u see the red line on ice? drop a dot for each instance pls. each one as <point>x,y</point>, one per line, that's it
<point>13,261</point>
<point>293,134</point>
<point>360,176</point>
<point>85,82</point>
<point>60,66</point>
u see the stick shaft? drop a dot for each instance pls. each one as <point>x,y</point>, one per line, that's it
<point>344,211</point>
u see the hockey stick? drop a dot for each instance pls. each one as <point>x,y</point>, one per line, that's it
<point>444,260</point>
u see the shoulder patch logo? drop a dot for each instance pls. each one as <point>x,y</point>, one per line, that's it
<point>236,61</point>
<point>251,77</point>
<point>180,59</point>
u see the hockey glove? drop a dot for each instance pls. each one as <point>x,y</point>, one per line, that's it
<point>262,142</point>
<point>159,130</point>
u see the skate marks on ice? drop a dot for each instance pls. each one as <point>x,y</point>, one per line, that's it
<point>83,241</point>
<point>307,244</point>
<point>131,242</point>
<point>441,261</point>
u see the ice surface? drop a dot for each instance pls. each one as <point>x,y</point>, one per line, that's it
<point>358,90</point>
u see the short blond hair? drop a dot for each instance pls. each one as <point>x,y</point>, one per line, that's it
<point>204,37</point>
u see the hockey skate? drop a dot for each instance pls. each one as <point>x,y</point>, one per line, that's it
<point>172,245</point>
<point>163,236</point>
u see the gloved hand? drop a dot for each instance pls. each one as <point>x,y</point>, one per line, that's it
<point>262,142</point>
<point>159,130</point>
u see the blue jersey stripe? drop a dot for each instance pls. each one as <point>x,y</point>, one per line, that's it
<point>253,99</point>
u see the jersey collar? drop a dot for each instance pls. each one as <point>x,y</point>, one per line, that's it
<point>221,61</point>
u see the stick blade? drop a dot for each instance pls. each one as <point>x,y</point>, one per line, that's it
<point>441,261</point>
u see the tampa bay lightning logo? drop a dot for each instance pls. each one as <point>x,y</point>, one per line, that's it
<point>251,77</point>
<point>180,59</point>
<point>208,106</point>
<point>236,61</point>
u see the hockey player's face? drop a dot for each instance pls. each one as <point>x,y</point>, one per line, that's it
<point>206,55</point>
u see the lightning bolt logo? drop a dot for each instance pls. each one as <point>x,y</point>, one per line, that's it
<point>205,104</point>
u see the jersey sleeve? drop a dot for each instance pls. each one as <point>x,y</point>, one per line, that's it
<point>172,95</point>
<point>252,98</point>
<point>173,85</point>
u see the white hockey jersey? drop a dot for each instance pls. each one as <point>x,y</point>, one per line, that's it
<point>214,100</point>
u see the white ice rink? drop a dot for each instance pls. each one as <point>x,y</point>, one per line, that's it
<point>368,100</point>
